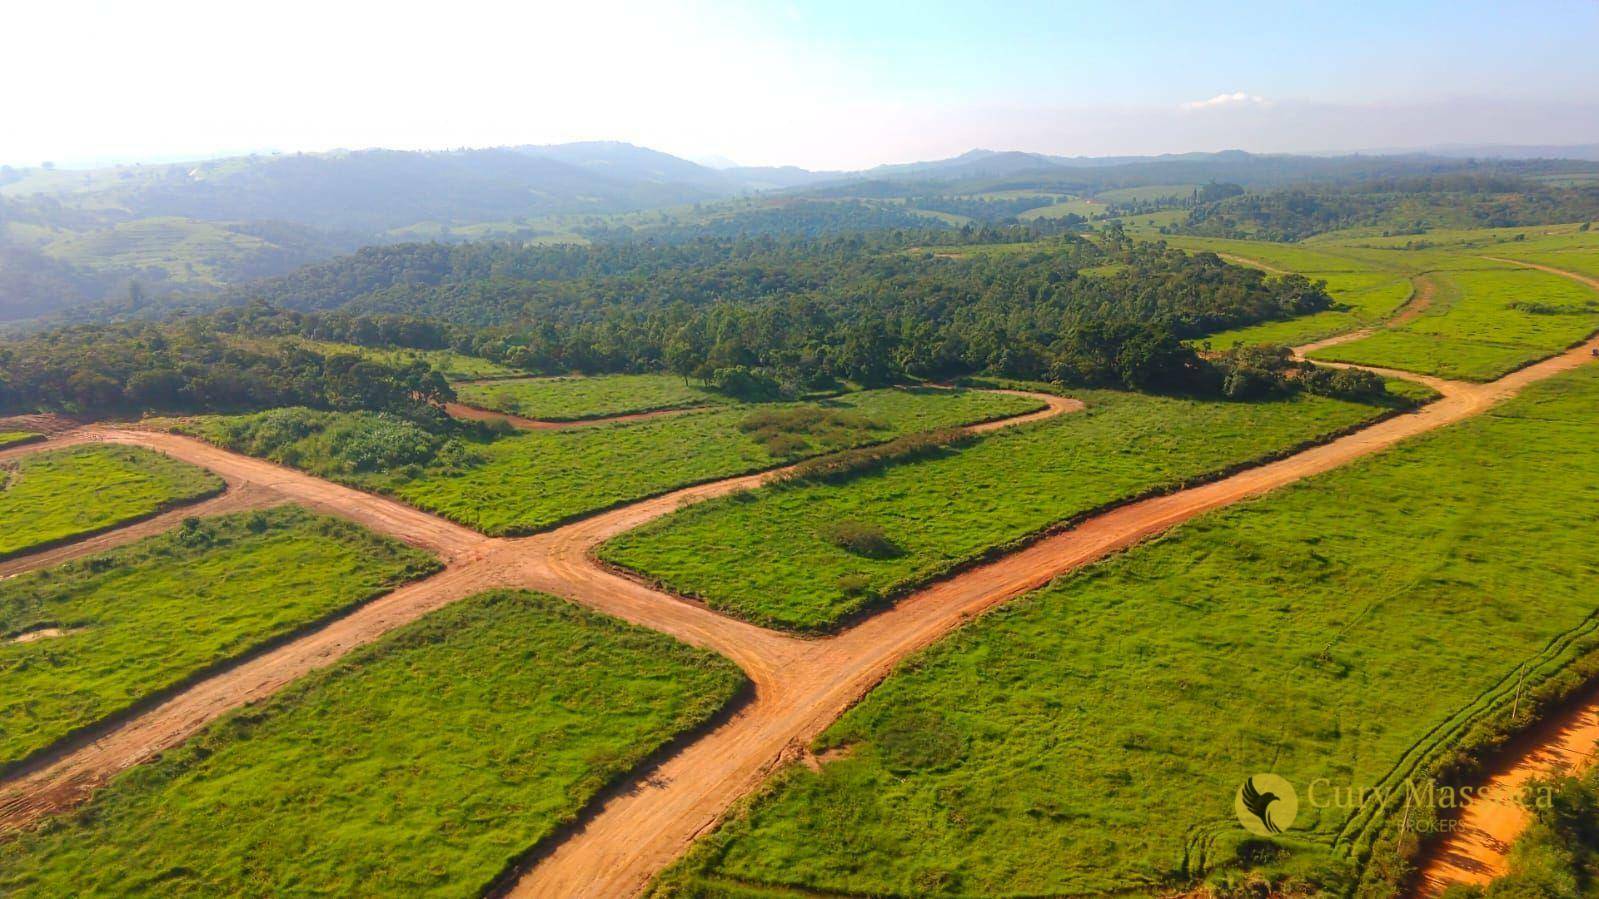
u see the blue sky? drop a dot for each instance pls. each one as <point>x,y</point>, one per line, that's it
<point>821,84</point>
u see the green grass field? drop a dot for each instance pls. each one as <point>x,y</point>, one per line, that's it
<point>54,495</point>
<point>524,482</point>
<point>17,438</point>
<point>454,366</point>
<point>145,617</point>
<point>1089,738</point>
<point>1482,324</point>
<point>574,399</point>
<point>420,766</point>
<point>772,555</point>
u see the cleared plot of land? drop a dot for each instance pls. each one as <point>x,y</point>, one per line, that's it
<point>575,399</point>
<point>55,495</point>
<point>17,438</point>
<point>1357,627</point>
<point>143,618</point>
<point>1482,323</point>
<point>521,483</point>
<point>1076,206</point>
<point>804,555</point>
<point>422,765</point>
<point>454,366</point>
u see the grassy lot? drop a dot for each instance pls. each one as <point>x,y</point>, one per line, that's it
<point>523,482</point>
<point>54,495</point>
<point>1090,738</point>
<point>776,556</point>
<point>1483,323</point>
<point>16,438</point>
<point>142,618</point>
<point>574,399</point>
<point>454,366</point>
<point>421,765</point>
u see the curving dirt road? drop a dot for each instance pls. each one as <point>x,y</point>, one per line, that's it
<point>1422,292</point>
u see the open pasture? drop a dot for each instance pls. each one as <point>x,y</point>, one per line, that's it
<point>1483,323</point>
<point>1364,628</point>
<point>575,399</point>
<point>422,765</point>
<point>454,366</point>
<point>777,556</point>
<point>86,640</point>
<point>55,495</point>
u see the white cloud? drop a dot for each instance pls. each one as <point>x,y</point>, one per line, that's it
<point>1222,101</point>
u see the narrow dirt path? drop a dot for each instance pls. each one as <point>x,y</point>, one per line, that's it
<point>476,413</point>
<point>641,830</point>
<point>1580,279</point>
<point>72,770</point>
<point>240,498</point>
<point>1235,259</point>
<point>1423,290</point>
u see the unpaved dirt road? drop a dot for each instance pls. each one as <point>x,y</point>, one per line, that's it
<point>1475,850</point>
<point>1423,290</point>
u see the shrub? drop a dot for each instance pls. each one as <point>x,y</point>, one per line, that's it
<point>866,540</point>
<point>787,432</point>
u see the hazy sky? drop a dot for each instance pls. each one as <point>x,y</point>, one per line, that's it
<point>824,85</point>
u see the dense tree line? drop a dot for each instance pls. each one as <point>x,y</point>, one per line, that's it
<point>766,316</point>
<point>199,363</point>
<point>1399,205</point>
<point>755,317</point>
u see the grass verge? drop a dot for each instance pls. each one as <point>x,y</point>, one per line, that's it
<point>94,637</point>
<point>55,495</point>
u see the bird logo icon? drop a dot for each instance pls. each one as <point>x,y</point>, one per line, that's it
<point>1266,804</point>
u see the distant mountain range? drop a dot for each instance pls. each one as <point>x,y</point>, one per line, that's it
<point>73,236</point>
